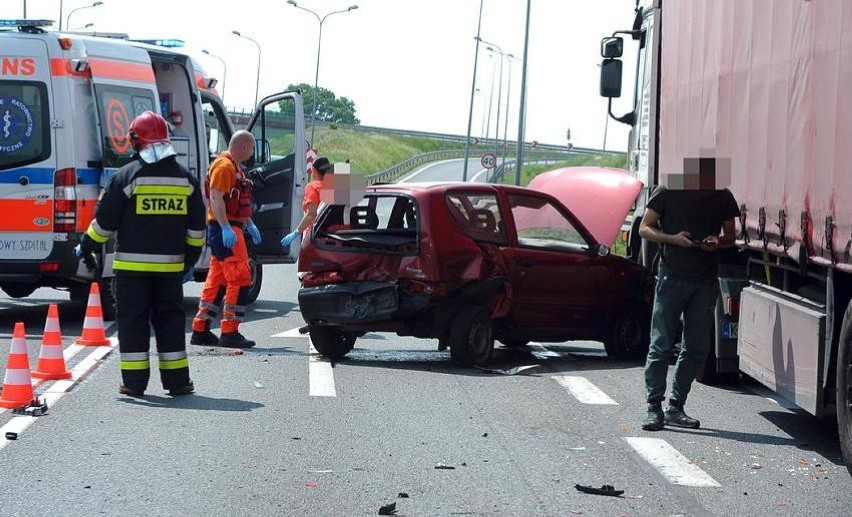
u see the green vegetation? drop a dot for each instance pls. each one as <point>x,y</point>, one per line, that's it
<point>529,171</point>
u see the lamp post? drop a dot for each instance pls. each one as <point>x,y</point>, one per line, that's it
<point>482,125</point>
<point>319,46</point>
<point>83,27</point>
<point>472,89</point>
<point>224,73</point>
<point>490,102</point>
<point>68,19</point>
<point>522,113</point>
<point>257,82</point>
<point>499,93</point>
<point>509,58</point>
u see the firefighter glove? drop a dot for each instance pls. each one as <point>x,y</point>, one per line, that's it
<point>229,238</point>
<point>289,238</point>
<point>253,231</point>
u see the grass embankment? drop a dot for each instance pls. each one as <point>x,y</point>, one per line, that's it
<point>529,171</point>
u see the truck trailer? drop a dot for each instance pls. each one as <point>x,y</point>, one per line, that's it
<point>757,91</point>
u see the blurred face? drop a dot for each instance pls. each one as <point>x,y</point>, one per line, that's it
<point>244,151</point>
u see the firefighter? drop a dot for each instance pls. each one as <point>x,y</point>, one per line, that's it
<point>154,206</point>
<point>229,194</point>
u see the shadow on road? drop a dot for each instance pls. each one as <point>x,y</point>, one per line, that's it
<point>193,402</point>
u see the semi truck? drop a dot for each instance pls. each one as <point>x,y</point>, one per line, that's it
<point>756,91</point>
<point>66,102</point>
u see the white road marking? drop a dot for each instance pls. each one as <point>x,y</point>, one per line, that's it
<point>478,174</point>
<point>58,390</point>
<point>290,333</point>
<point>542,352</point>
<point>320,374</point>
<point>676,467</point>
<point>584,391</point>
<point>68,353</point>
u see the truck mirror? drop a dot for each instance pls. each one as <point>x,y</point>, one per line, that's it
<point>611,78</point>
<point>262,152</point>
<point>612,47</point>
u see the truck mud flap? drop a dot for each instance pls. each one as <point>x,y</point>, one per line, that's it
<point>359,302</point>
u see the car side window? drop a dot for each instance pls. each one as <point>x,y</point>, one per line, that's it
<point>478,215</point>
<point>540,224</point>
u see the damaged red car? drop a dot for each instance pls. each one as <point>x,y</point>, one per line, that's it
<point>468,264</point>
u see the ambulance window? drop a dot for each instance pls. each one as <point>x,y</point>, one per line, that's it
<point>216,128</point>
<point>24,123</point>
<point>275,131</point>
<point>117,107</point>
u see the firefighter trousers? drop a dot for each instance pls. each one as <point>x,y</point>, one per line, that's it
<point>145,301</point>
<point>228,280</point>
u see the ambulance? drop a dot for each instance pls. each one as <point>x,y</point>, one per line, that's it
<point>66,101</point>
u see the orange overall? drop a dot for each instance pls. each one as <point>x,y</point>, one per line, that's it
<point>229,275</point>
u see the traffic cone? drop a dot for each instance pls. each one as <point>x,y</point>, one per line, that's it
<point>93,325</point>
<point>17,384</point>
<point>51,362</point>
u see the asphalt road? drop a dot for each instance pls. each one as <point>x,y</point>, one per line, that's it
<point>279,431</point>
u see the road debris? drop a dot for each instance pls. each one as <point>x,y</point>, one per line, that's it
<point>258,385</point>
<point>485,435</point>
<point>388,509</point>
<point>441,466</point>
<point>577,449</point>
<point>402,495</point>
<point>11,436</point>
<point>603,490</point>
<point>510,371</point>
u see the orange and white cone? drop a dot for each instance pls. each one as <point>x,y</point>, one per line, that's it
<point>17,384</point>
<point>93,325</point>
<point>51,362</point>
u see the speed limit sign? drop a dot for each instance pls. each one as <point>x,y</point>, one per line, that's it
<point>489,160</point>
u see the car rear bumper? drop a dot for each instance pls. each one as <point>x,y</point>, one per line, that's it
<point>61,268</point>
<point>353,302</point>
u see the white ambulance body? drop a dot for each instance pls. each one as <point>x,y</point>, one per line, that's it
<point>66,101</point>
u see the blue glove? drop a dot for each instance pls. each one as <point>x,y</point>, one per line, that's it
<point>289,238</point>
<point>79,251</point>
<point>229,238</point>
<point>253,231</point>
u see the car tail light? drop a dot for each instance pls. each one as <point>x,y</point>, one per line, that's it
<point>321,278</point>
<point>65,201</point>
<point>415,287</point>
<point>48,267</point>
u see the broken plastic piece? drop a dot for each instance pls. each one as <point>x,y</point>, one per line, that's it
<point>388,509</point>
<point>441,466</point>
<point>11,436</point>
<point>258,385</point>
<point>603,490</point>
<point>510,371</point>
<point>35,408</point>
<point>402,495</point>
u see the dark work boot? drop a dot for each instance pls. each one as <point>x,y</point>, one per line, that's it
<point>654,419</point>
<point>205,338</point>
<point>124,390</point>
<point>235,340</point>
<point>676,417</point>
<point>185,390</point>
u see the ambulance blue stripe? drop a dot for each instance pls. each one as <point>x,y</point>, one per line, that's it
<point>44,175</point>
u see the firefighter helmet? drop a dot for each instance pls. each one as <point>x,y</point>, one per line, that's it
<point>146,129</point>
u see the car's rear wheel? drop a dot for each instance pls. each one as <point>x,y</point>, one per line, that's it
<point>630,333</point>
<point>16,290</point>
<point>331,341</point>
<point>472,336</point>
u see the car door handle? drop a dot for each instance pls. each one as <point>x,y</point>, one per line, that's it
<point>527,263</point>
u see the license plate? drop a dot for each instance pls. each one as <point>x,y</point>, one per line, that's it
<point>729,330</point>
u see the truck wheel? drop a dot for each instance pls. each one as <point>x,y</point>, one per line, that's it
<point>472,336</point>
<point>630,334</point>
<point>16,290</point>
<point>256,278</point>
<point>108,303</point>
<point>331,341</point>
<point>844,388</point>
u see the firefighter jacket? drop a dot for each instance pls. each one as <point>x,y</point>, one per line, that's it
<point>157,213</point>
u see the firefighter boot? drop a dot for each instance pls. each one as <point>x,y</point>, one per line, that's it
<point>235,340</point>
<point>185,390</point>
<point>204,338</point>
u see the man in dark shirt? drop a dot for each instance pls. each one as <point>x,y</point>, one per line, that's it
<point>687,225</point>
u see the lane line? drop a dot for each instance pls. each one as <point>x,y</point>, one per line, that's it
<point>58,390</point>
<point>673,465</point>
<point>290,333</point>
<point>478,174</point>
<point>320,374</point>
<point>427,167</point>
<point>584,391</point>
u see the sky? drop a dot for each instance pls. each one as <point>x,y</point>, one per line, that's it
<point>406,64</point>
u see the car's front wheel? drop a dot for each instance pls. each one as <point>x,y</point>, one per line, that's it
<point>630,333</point>
<point>472,336</point>
<point>331,341</point>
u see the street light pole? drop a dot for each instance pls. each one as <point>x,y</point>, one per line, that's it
<point>68,19</point>
<point>509,58</point>
<point>522,111</point>
<point>472,89</point>
<point>490,101</point>
<point>257,82</point>
<point>319,46</point>
<point>224,73</point>
<point>499,96</point>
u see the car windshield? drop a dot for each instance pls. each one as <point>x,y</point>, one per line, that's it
<point>379,223</point>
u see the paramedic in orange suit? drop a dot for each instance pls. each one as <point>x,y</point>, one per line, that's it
<point>229,195</point>
<point>311,201</point>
